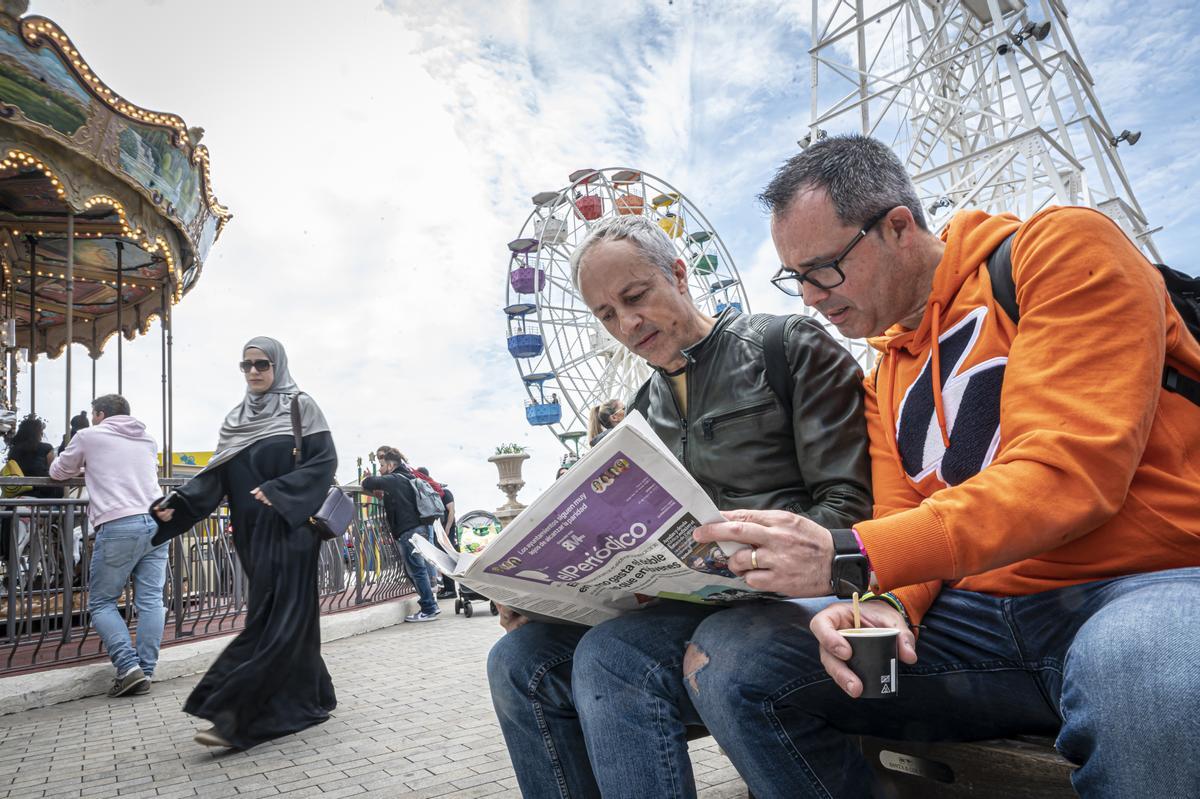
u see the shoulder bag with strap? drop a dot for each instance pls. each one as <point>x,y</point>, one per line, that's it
<point>13,469</point>
<point>1183,290</point>
<point>337,511</point>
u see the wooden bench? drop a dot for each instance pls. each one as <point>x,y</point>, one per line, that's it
<point>1025,767</point>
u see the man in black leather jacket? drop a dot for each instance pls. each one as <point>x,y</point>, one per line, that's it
<point>604,710</point>
<point>737,440</point>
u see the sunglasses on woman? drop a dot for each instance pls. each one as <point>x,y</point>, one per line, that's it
<point>261,365</point>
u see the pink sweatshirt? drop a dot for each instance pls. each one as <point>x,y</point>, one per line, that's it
<point>122,468</point>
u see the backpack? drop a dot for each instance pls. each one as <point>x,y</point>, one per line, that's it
<point>13,469</point>
<point>429,504</point>
<point>1184,291</point>
<point>438,487</point>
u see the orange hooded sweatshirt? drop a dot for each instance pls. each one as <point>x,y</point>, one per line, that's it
<point>1013,459</point>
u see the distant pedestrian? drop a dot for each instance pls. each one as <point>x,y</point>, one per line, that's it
<point>78,422</point>
<point>450,525</point>
<point>118,459</point>
<point>604,417</point>
<point>400,504</point>
<point>32,454</point>
<point>270,681</point>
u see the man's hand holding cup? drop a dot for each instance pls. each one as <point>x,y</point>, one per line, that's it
<point>836,651</point>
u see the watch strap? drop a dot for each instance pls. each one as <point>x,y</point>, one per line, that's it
<point>845,542</point>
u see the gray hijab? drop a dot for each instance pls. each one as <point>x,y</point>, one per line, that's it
<point>268,414</point>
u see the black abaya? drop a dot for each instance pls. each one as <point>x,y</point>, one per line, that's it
<point>270,681</point>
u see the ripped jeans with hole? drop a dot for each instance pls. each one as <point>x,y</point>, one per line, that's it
<point>600,711</point>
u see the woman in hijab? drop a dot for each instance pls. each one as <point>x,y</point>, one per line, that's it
<point>270,681</point>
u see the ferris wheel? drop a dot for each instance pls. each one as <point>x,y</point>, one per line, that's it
<point>567,361</point>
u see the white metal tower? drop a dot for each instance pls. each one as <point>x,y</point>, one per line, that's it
<point>988,102</point>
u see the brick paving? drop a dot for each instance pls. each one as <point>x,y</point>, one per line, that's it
<point>413,720</point>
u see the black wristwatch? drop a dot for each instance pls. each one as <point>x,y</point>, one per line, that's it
<point>850,571</point>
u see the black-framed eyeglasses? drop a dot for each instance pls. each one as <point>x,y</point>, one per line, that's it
<point>260,366</point>
<point>826,275</point>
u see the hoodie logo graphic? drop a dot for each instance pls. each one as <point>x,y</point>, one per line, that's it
<point>971,400</point>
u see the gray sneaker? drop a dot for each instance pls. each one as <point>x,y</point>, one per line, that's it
<point>133,679</point>
<point>423,616</point>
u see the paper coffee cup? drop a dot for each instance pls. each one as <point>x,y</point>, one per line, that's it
<point>874,659</point>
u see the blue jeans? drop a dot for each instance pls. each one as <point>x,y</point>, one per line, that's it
<point>418,570</point>
<point>587,712</point>
<point>1110,667</point>
<point>430,569</point>
<point>122,550</point>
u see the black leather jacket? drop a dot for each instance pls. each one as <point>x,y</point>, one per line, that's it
<point>737,441</point>
<point>399,500</point>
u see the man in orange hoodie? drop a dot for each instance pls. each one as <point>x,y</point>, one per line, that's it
<point>1036,501</point>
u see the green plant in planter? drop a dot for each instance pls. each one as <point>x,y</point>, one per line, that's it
<point>509,449</point>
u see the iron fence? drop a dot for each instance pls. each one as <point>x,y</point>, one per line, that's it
<point>47,556</point>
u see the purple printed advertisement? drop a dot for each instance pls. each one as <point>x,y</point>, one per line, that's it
<point>617,509</point>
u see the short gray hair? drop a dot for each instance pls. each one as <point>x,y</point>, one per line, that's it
<point>111,405</point>
<point>861,176</point>
<point>650,240</point>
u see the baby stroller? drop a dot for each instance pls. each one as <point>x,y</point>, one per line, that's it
<point>475,529</point>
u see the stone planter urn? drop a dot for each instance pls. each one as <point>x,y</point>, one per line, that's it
<point>509,466</point>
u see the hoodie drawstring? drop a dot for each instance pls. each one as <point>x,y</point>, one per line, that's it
<point>938,407</point>
<point>885,401</point>
<point>889,411</point>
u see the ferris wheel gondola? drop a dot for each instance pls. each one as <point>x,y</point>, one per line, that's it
<point>567,361</point>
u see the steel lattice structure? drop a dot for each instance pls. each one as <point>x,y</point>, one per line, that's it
<point>989,103</point>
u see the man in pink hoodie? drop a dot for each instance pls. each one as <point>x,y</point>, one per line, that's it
<point>118,459</point>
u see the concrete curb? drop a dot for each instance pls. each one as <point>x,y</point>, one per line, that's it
<point>39,689</point>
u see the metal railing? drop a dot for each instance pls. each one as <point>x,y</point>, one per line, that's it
<point>47,558</point>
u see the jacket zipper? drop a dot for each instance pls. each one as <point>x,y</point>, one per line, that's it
<point>712,421</point>
<point>683,422</point>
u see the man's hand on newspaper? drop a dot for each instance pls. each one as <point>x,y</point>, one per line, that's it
<point>835,650</point>
<point>509,618</point>
<point>785,553</point>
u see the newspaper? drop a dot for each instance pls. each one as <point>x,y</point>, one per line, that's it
<point>611,535</point>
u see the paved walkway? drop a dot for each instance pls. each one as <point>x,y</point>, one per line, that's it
<point>413,720</point>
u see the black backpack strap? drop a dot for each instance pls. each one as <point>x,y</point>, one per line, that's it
<point>999,266</point>
<point>779,374</point>
<point>1181,384</point>
<point>641,400</point>
<point>1182,289</point>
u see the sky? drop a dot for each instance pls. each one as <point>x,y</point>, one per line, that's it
<point>377,157</point>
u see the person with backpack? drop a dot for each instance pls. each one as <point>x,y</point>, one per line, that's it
<point>409,504</point>
<point>1036,532</point>
<point>757,427</point>
<point>29,455</point>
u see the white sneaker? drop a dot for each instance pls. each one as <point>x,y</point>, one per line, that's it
<point>423,616</point>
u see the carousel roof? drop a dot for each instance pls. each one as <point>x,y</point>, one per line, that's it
<point>133,184</point>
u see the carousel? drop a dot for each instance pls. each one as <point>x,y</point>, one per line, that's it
<point>106,214</point>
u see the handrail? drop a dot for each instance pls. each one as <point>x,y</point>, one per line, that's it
<point>47,558</point>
